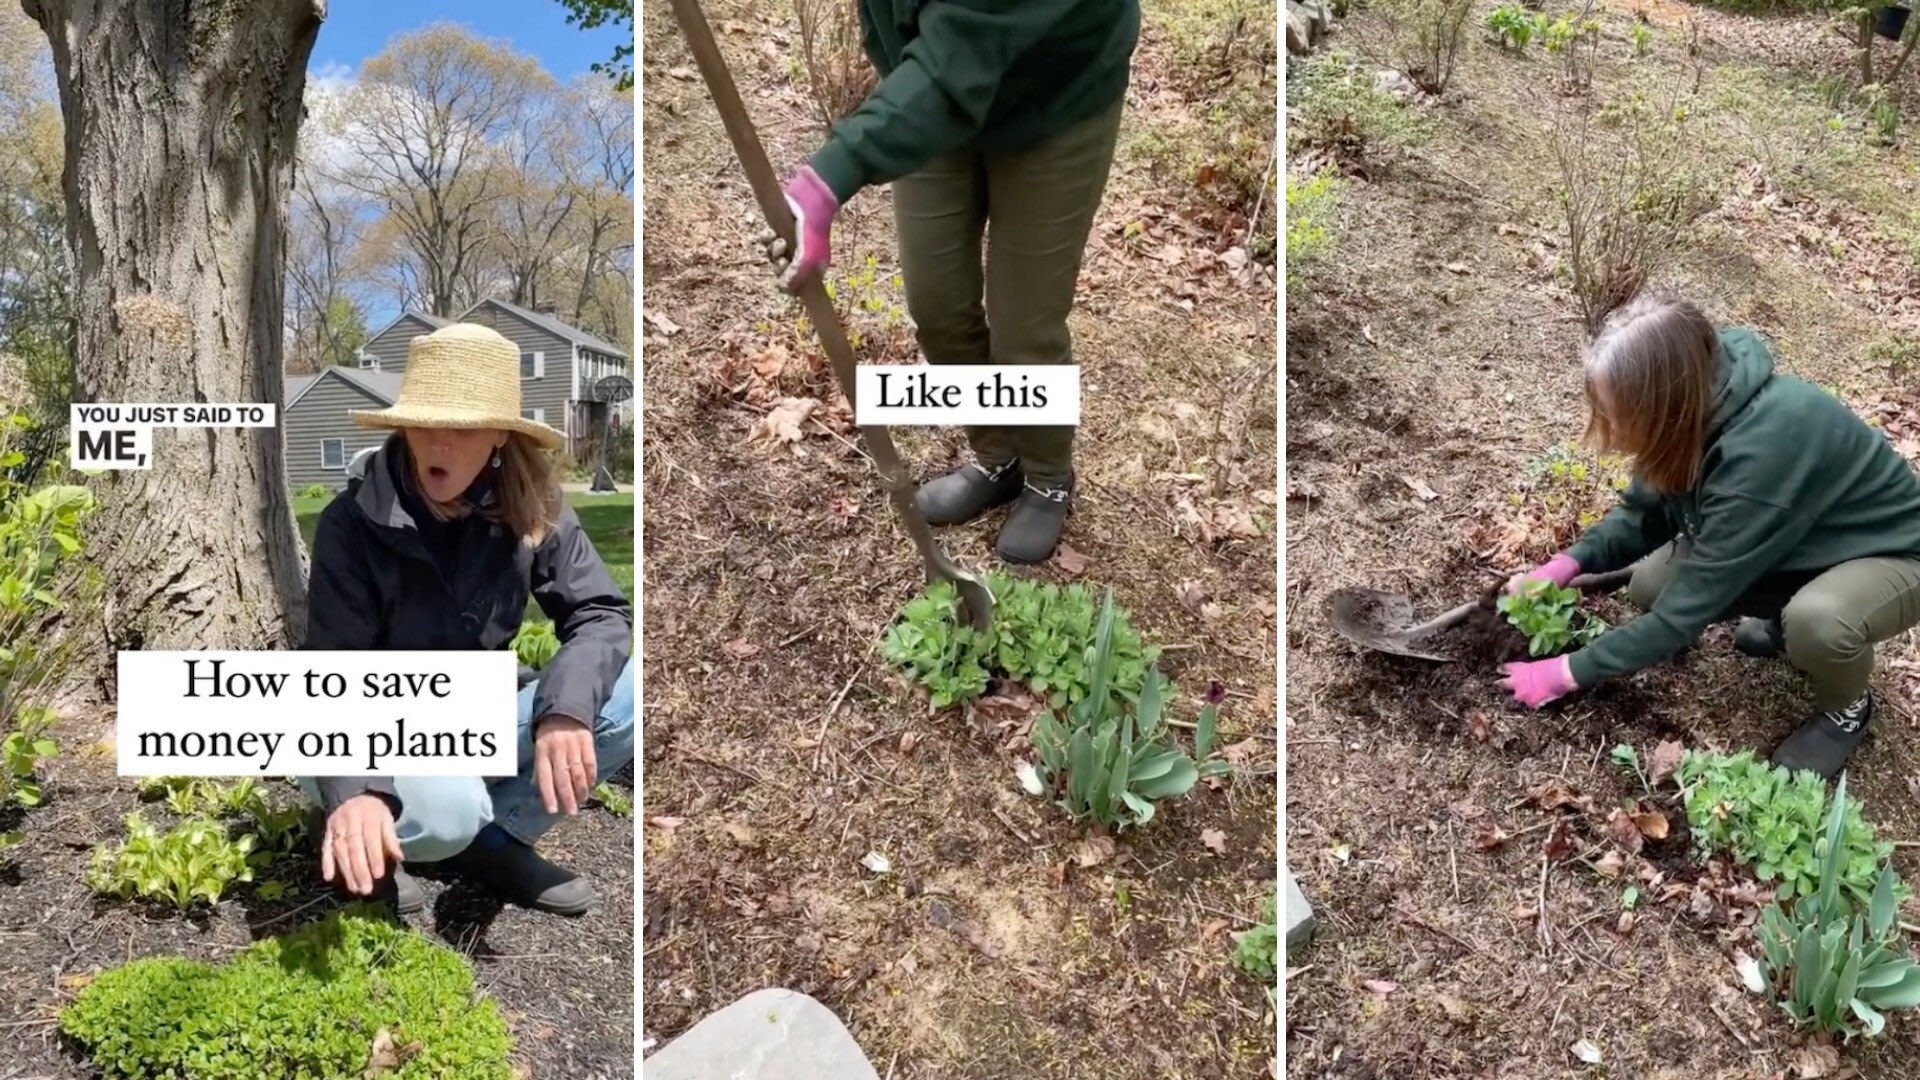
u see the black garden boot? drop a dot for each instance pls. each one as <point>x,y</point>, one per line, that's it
<point>967,492</point>
<point>516,872</point>
<point>1827,739</point>
<point>1761,638</point>
<point>1033,527</point>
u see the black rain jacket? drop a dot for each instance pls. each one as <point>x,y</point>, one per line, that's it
<point>374,586</point>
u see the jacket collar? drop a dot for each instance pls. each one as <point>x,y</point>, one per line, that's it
<point>377,496</point>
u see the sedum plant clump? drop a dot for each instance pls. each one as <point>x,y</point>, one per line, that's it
<point>347,996</point>
<point>1038,638</point>
<point>1771,820</point>
<point>1833,966</point>
<point>1549,616</point>
<point>1113,758</point>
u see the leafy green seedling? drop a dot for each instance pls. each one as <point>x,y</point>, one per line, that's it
<point>615,800</point>
<point>1257,952</point>
<point>536,644</point>
<point>1549,617</point>
<point>191,863</point>
<point>1628,760</point>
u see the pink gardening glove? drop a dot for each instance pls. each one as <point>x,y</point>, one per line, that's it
<point>1560,569</point>
<point>1537,682</point>
<point>813,208</point>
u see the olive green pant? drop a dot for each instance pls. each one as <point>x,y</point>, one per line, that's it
<point>1012,310</point>
<point>1830,620</point>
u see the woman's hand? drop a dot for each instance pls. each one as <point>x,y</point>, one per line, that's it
<point>1560,570</point>
<point>813,208</point>
<point>1538,682</point>
<point>563,763</point>
<point>359,844</point>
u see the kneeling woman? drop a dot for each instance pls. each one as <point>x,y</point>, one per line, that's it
<point>457,520</point>
<point>1754,495</point>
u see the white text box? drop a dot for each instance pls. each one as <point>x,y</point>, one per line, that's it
<point>934,395</point>
<point>287,713</point>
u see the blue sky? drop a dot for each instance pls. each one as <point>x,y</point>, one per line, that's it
<point>358,29</point>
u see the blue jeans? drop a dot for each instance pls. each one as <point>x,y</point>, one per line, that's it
<point>441,815</point>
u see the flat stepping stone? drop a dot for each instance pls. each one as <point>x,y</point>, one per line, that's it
<point>767,1035</point>
<point>1299,914</point>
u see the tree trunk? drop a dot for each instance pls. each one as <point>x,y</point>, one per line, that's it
<point>181,120</point>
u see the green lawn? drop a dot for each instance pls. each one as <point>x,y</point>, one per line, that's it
<point>608,520</point>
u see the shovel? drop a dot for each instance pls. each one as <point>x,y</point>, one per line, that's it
<point>1384,622</point>
<point>826,320</point>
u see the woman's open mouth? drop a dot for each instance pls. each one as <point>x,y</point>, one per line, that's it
<point>436,472</point>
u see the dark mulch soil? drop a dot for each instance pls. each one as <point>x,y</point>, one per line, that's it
<point>565,985</point>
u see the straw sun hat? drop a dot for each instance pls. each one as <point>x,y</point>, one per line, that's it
<point>460,376</point>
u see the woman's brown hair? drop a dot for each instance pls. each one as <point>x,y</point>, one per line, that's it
<point>526,492</point>
<point>1649,384</point>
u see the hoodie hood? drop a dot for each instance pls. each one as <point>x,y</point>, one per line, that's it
<point>378,496</point>
<point>1742,366</point>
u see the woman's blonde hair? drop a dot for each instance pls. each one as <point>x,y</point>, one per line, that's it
<point>1649,383</point>
<point>526,492</point>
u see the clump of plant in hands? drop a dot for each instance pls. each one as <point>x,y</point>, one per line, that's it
<point>1549,616</point>
<point>536,644</point>
<point>353,994</point>
<point>1117,759</point>
<point>1771,820</point>
<point>1833,966</point>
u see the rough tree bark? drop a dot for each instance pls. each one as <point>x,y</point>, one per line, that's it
<point>181,121</point>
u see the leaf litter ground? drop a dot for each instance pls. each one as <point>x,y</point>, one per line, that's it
<point>1463,855</point>
<point>807,821</point>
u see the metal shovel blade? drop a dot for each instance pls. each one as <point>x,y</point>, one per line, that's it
<point>1384,622</point>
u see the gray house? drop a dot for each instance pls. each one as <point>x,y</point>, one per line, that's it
<point>560,366</point>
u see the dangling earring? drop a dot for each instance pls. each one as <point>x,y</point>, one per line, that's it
<point>496,459</point>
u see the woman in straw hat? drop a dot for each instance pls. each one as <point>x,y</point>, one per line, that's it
<point>456,521</point>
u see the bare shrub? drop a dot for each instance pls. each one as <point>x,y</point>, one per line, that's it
<point>1426,37</point>
<point>1630,189</point>
<point>837,70</point>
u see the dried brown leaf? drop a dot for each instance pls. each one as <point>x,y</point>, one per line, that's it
<point>386,1055</point>
<point>1479,727</point>
<point>1610,865</point>
<point>741,649</point>
<point>666,824</point>
<point>1069,561</point>
<point>1093,850</point>
<point>1622,830</point>
<point>1490,837</point>
<point>1215,840</point>
<point>1652,824</point>
<point>1664,760</point>
<point>1558,844</point>
<point>783,423</point>
<point>1380,986</point>
<point>1814,1061</point>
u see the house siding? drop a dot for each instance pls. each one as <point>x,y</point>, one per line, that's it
<point>322,415</point>
<point>551,393</point>
<point>391,346</point>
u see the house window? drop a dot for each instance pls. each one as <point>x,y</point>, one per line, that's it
<point>369,362</point>
<point>333,453</point>
<point>533,365</point>
<point>538,416</point>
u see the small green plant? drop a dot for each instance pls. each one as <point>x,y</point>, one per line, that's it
<point>1770,819</point>
<point>315,491</point>
<point>280,827</point>
<point>1257,952</point>
<point>1628,760</point>
<point>21,754</point>
<point>1513,26</point>
<point>1886,123</point>
<point>334,998</point>
<point>615,800</point>
<point>1118,760</point>
<point>1310,207</point>
<point>192,862</point>
<point>536,644</point>
<point>1549,616</point>
<point>1335,106</point>
<point>1576,41</point>
<point>1426,36</point>
<point>1833,966</point>
<point>1642,35</point>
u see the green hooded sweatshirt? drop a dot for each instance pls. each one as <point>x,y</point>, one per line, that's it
<point>1792,481</point>
<point>996,75</point>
